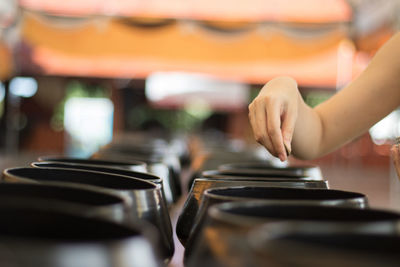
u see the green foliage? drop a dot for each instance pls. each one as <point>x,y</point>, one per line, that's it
<point>173,120</point>
<point>315,98</point>
<point>254,92</point>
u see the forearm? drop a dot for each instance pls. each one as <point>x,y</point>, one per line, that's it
<point>307,133</point>
<point>282,121</point>
<point>353,110</point>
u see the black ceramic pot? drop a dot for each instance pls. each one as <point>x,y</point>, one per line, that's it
<point>32,237</point>
<point>149,151</point>
<point>144,198</point>
<point>274,195</point>
<point>262,168</point>
<point>87,202</point>
<point>314,244</point>
<point>246,174</point>
<point>155,165</point>
<point>228,224</point>
<point>100,168</point>
<point>200,185</point>
<point>133,165</point>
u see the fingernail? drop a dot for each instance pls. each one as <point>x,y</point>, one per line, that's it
<point>282,157</point>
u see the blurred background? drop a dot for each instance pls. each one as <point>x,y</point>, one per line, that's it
<point>74,74</point>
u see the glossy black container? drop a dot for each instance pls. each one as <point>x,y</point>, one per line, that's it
<point>190,209</point>
<point>91,167</point>
<point>83,201</point>
<point>155,165</point>
<point>32,237</point>
<point>274,195</point>
<point>245,174</point>
<point>320,244</point>
<point>144,198</point>
<point>149,151</point>
<point>282,174</point>
<point>228,224</point>
<point>262,168</point>
<point>133,165</point>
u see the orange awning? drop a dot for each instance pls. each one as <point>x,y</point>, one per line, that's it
<point>315,11</point>
<point>115,48</point>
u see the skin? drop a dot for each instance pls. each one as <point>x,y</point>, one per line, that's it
<point>279,117</point>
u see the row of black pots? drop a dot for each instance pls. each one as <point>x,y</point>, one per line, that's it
<point>117,195</point>
<point>143,199</point>
<point>176,144</point>
<point>167,167</point>
<point>216,234</point>
<point>101,166</point>
<point>264,175</point>
<point>160,160</point>
<point>270,196</point>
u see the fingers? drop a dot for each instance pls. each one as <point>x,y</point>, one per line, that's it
<point>257,116</point>
<point>265,120</point>
<point>265,140</point>
<point>273,124</point>
<point>274,128</point>
<point>288,123</point>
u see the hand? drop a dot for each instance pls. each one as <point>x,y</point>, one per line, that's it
<point>273,115</point>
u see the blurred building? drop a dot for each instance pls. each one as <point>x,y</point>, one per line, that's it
<point>174,64</point>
